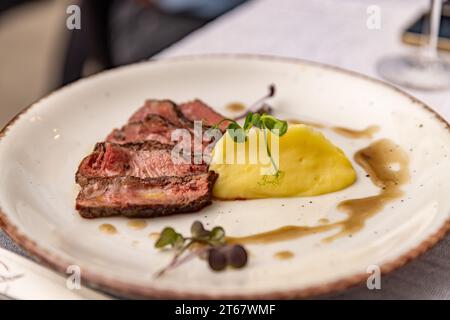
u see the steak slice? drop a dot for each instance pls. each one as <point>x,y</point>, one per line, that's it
<point>163,108</point>
<point>197,110</point>
<point>157,128</point>
<point>143,160</point>
<point>154,127</point>
<point>151,197</point>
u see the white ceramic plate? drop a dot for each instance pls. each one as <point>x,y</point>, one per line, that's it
<point>42,147</point>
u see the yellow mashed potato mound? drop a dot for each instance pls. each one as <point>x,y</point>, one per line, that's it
<point>309,165</point>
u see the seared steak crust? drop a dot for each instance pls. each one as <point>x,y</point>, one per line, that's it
<point>145,198</point>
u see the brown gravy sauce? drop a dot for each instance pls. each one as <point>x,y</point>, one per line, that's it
<point>235,107</point>
<point>284,255</point>
<point>386,164</point>
<point>356,134</point>
<point>107,228</point>
<point>346,132</point>
<point>137,224</point>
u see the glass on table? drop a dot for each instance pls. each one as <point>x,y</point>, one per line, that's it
<point>425,70</point>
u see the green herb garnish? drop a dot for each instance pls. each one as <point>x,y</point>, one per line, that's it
<point>170,237</point>
<point>211,242</point>
<point>263,122</point>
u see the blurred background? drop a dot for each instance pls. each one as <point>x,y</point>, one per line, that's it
<point>38,53</point>
<point>31,40</point>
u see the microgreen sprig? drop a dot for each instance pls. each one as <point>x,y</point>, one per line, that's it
<point>263,122</point>
<point>212,242</point>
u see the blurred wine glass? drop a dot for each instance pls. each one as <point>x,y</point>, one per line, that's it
<point>425,70</point>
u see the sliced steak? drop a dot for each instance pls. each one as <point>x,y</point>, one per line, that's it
<point>154,127</point>
<point>197,110</point>
<point>163,108</point>
<point>151,197</point>
<point>143,160</point>
<point>133,173</point>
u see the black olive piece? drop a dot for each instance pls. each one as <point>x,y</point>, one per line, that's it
<point>237,256</point>
<point>217,259</point>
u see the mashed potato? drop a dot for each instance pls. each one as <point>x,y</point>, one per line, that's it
<point>309,165</point>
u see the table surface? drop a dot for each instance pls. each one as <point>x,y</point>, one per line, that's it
<point>332,32</point>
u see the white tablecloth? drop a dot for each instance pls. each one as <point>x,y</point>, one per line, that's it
<point>334,32</point>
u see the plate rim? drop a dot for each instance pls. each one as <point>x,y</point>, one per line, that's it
<point>127,289</point>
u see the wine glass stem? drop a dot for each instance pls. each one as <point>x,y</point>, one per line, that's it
<point>430,48</point>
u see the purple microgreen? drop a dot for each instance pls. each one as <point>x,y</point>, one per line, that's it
<point>234,256</point>
<point>197,230</point>
<point>207,239</point>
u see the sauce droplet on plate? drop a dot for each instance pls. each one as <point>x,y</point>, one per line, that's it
<point>107,228</point>
<point>235,107</point>
<point>137,224</point>
<point>284,255</point>
<point>357,134</point>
